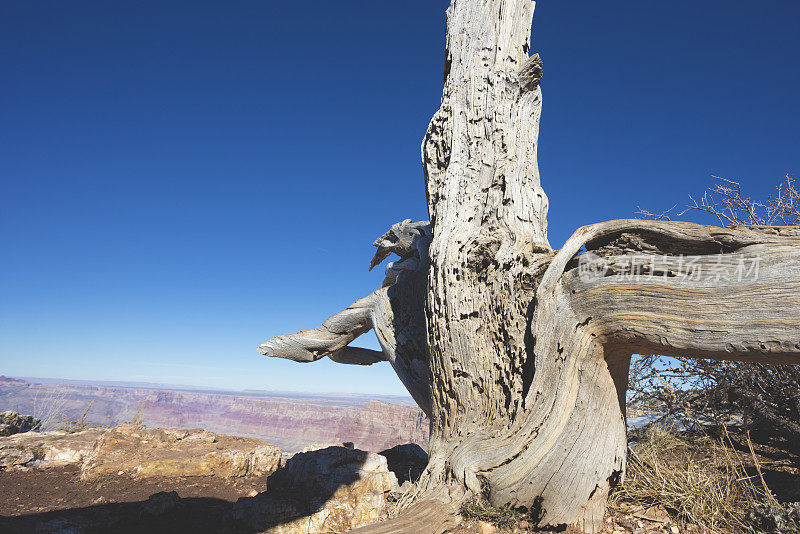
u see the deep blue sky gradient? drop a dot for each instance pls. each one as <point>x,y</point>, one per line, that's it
<point>180,181</point>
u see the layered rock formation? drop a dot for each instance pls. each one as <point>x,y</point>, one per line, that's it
<point>48,449</point>
<point>291,422</point>
<point>138,452</point>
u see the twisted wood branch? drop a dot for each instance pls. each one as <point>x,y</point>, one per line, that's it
<point>395,311</point>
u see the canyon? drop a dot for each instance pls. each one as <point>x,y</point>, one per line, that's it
<point>291,421</point>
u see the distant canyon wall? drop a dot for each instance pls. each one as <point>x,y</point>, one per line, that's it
<point>290,422</point>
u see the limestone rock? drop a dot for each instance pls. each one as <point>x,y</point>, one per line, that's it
<point>328,490</point>
<point>14,423</point>
<point>13,456</point>
<point>52,448</point>
<point>70,448</point>
<point>139,452</point>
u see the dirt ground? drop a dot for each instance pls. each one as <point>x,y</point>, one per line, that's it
<point>56,500</point>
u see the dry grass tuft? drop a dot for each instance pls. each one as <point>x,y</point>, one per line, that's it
<point>710,489</point>
<point>79,424</point>
<point>138,417</point>
<point>48,408</point>
<point>480,510</point>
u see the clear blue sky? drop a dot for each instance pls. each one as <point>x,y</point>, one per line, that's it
<point>180,181</point>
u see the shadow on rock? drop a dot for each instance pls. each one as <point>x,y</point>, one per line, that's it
<point>407,461</point>
<point>335,489</point>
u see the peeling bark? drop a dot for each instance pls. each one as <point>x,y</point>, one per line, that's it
<point>520,354</point>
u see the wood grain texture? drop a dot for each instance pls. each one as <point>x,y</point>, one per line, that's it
<point>568,444</point>
<point>395,312</point>
<point>489,218</point>
<point>428,517</point>
<point>519,354</point>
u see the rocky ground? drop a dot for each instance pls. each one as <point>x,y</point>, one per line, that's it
<point>131,478</point>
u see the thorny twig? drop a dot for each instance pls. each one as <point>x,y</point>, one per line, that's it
<point>726,201</point>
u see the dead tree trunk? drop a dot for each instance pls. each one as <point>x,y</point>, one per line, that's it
<point>519,354</point>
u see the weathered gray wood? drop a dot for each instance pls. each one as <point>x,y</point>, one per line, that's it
<point>567,447</point>
<point>709,301</point>
<point>395,312</point>
<point>520,354</point>
<point>424,517</point>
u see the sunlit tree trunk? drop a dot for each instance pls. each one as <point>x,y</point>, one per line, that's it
<point>519,354</point>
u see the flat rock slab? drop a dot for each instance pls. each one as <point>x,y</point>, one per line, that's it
<point>47,449</point>
<point>140,452</point>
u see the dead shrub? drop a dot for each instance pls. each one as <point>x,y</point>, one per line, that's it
<point>762,398</point>
<point>703,482</point>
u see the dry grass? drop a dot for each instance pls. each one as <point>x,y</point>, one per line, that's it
<point>79,424</point>
<point>48,408</point>
<point>710,489</point>
<point>480,510</point>
<point>138,417</point>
